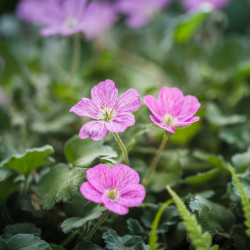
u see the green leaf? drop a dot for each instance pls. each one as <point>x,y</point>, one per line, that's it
<point>8,185</point>
<point>215,160</point>
<point>87,153</point>
<point>153,234</point>
<point>32,158</point>
<point>56,247</point>
<point>91,211</point>
<point>212,216</point>
<point>60,184</point>
<point>24,242</point>
<point>215,116</point>
<point>22,228</point>
<point>200,178</point>
<point>135,228</point>
<point>200,241</point>
<point>168,218</point>
<point>187,25</point>
<point>126,242</point>
<point>86,246</point>
<point>244,199</point>
<point>241,161</point>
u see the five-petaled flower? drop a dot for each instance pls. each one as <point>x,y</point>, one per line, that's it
<point>172,109</point>
<point>117,188</point>
<point>110,114</point>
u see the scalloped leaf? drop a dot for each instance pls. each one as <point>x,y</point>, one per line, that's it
<point>91,211</point>
<point>115,242</point>
<point>86,246</point>
<point>27,162</point>
<point>21,228</point>
<point>244,199</point>
<point>24,241</point>
<point>209,215</point>
<point>60,184</point>
<point>87,153</point>
<point>199,241</point>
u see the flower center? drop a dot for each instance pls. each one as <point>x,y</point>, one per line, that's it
<point>168,119</point>
<point>70,23</point>
<point>107,114</point>
<point>112,193</point>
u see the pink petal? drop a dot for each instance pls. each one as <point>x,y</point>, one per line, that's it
<point>162,125</point>
<point>189,107</point>
<point>122,175</point>
<point>114,206</point>
<point>90,193</point>
<point>104,94</point>
<point>120,122</point>
<point>94,129</point>
<point>186,123</point>
<point>50,30</point>
<point>153,105</point>
<point>170,101</point>
<point>98,177</point>
<point>85,108</point>
<point>128,102</point>
<point>132,195</point>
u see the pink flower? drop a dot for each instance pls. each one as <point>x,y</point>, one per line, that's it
<point>110,114</point>
<point>193,5</point>
<point>117,188</point>
<point>140,12</point>
<point>98,18</point>
<point>172,109</point>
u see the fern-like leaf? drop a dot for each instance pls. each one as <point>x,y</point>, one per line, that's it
<point>153,235</point>
<point>200,241</point>
<point>244,199</point>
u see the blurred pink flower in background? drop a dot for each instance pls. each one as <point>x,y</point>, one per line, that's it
<point>110,114</point>
<point>139,12</point>
<point>32,11</point>
<point>193,5</point>
<point>67,17</point>
<point>98,18</point>
<point>117,188</point>
<point>172,109</point>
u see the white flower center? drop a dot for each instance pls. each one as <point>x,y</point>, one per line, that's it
<point>70,23</point>
<point>112,193</point>
<point>106,114</point>
<point>168,119</point>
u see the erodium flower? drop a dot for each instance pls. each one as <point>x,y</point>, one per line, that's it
<point>172,109</point>
<point>109,113</point>
<point>140,12</point>
<point>193,5</point>
<point>117,188</point>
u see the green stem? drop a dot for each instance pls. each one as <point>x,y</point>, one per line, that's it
<point>25,187</point>
<point>69,238</point>
<point>155,160</point>
<point>85,230</point>
<point>76,56</point>
<point>123,148</point>
<point>103,218</point>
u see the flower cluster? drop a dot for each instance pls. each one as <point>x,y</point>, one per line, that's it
<point>117,188</point>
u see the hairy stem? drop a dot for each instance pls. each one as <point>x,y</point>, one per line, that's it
<point>93,230</point>
<point>155,160</point>
<point>123,148</point>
